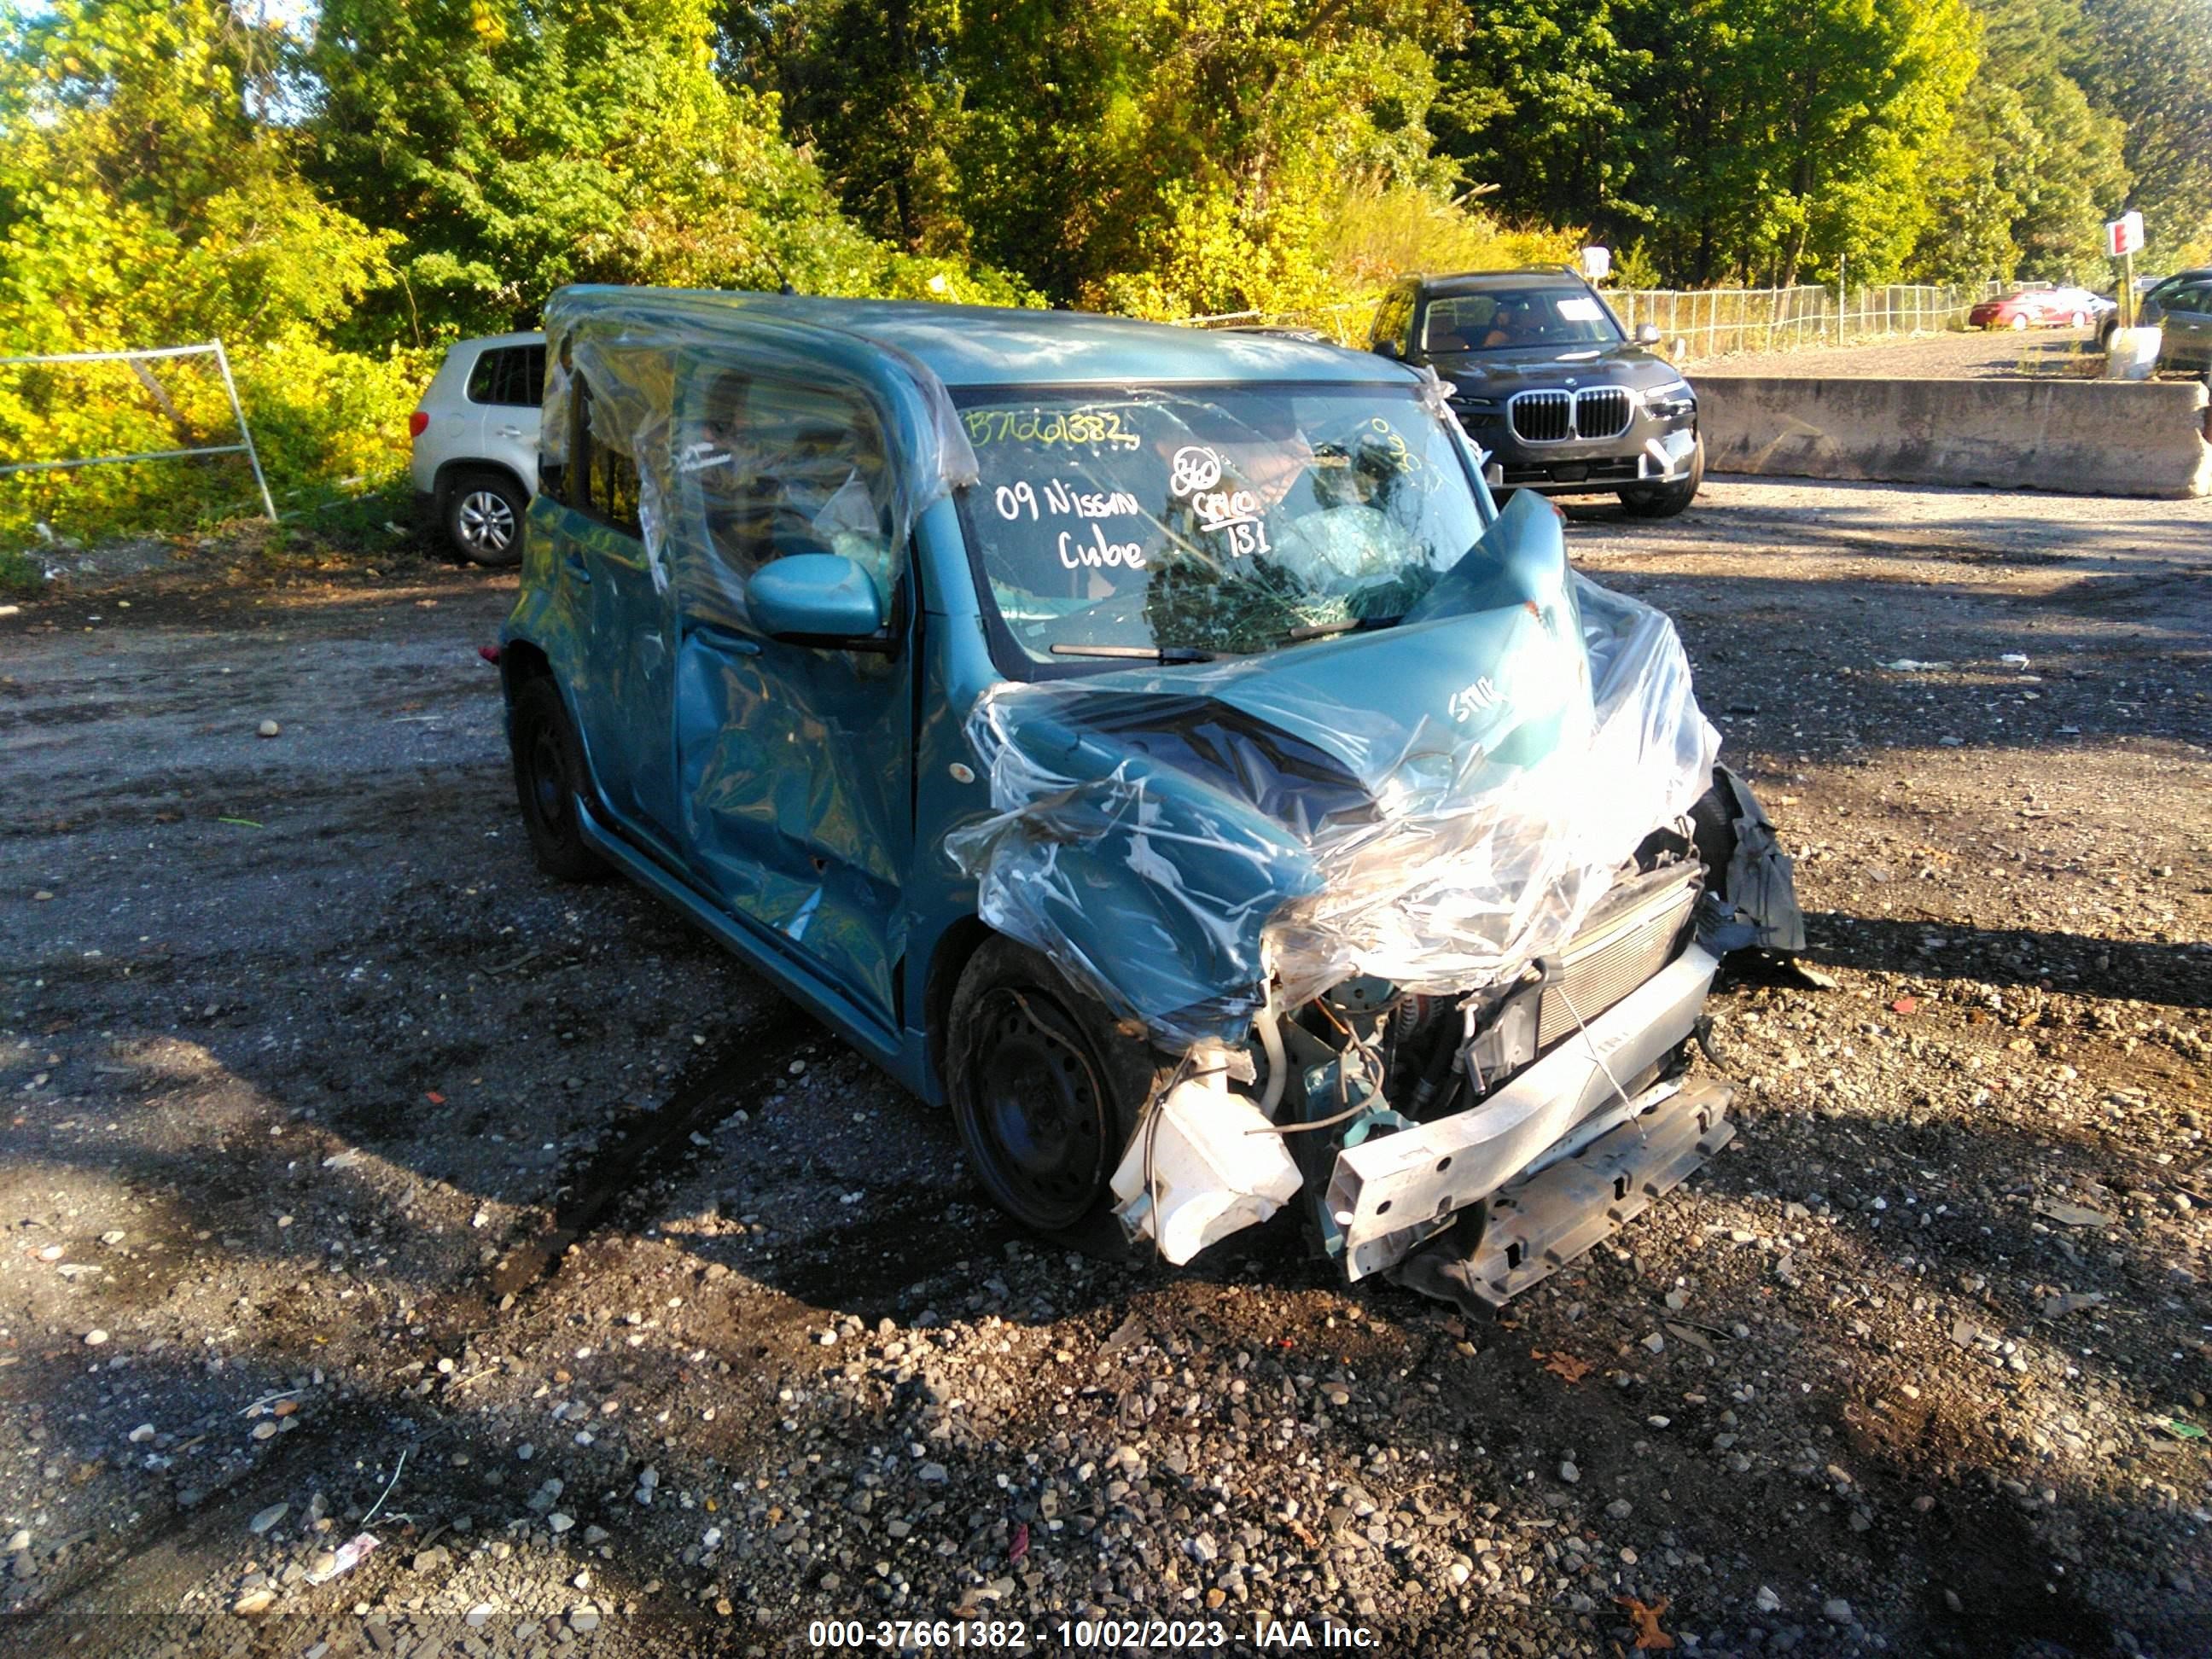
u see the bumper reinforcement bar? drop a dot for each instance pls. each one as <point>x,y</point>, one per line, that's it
<point>1541,1222</point>
<point>1388,1191</point>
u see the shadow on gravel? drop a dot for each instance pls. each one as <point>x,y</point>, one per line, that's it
<point>1806,666</point>
<point>2176,976</point>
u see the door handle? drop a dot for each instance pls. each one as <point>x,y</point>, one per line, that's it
<point>574,565</point>
<point>510,432</point>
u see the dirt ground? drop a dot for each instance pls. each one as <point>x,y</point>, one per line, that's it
<point>357,1180</point>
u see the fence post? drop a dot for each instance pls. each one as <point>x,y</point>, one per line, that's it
<point>238,414</point>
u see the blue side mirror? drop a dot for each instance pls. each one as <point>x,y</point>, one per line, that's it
<point>814,598</point>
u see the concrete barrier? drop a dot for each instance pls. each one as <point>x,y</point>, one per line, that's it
<point>2088,437</point>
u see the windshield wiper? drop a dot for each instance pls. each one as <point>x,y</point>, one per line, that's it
<point>1138,652</point>
<point>1322,630</point>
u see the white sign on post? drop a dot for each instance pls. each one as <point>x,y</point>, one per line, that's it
<point>2123,235</point>
<point>1597,264</point>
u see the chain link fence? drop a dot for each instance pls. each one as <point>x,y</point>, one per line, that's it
<point>1727,321</point>
<point>1704,322</point>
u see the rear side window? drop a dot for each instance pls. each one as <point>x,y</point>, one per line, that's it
<point>2192,297</point>
<point>602,474</point>
<point>510,376</point>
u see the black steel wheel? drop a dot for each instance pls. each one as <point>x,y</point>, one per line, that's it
<point>549,776</point>
<point>1045,1091</point>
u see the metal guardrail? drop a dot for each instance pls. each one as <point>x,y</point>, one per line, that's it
<point>209,348</point>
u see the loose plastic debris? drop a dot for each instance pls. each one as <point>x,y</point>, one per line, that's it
<point>347,1556</point>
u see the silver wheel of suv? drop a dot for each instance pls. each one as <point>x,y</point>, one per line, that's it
<point>483,519</point>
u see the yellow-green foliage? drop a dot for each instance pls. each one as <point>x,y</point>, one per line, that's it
<point>325,421</point>
<point>1374,233</point>
<point>144,202</point>
<point>142,205</point>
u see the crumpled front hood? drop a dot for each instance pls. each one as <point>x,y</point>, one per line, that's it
<point>1412,802</point>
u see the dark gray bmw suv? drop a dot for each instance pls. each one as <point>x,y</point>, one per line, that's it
<point>1543,376</point>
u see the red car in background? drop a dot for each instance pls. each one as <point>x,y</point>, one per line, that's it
<point>2038,307</point>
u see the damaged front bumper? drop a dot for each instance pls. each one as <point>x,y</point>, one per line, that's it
<point>1606,1174</point>
<point>1387,1192</point>
<point>1578,1115</point>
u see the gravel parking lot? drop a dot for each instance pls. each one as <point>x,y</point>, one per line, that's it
<point>357,1181</point>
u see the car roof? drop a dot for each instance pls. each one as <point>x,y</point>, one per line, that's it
<point>983,345</point>
<point>526,337</point>
<point>1482,282</point>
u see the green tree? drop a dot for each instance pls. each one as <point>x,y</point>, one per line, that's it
<point>146,199</point>
<point>1118,153</point>
<point>515,148</point>
<point>1542,102</point>
<point>1795,135</point>
<point>1743,140</point>
<point>141,199</point>
<point>2032,169</point>
<point>2149,62</point>
<point>870,84</point>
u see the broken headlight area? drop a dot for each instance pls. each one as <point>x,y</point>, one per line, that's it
<point>1469,1144</point>
<point>1424,917</point>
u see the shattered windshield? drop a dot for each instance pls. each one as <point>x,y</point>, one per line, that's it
<point>1182,523</point>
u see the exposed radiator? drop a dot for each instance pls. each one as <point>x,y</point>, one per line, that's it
<point>1632,937</point>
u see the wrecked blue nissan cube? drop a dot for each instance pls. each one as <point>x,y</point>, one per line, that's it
<point>1154,743</point>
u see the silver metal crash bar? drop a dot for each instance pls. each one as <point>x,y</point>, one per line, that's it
<point>1384,1189</point>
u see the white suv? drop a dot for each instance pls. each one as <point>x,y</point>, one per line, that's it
<point>476,444</point>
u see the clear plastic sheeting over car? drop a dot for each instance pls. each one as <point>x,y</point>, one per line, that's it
<point>695,391</point>
<point>1441,839</point>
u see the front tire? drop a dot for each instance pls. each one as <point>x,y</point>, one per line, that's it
<point>483,518</point>
<point>549,777</point>
<point>1665,500</point>
<point>1045,1091</point>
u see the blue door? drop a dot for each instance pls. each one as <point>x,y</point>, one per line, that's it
<point>793,763</point>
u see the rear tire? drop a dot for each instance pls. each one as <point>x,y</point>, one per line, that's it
<point>1665,500</point>
<point>2020,322</point>
<point>1045,1091</point>
<point>483,518</point>
<point>549,777</point>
